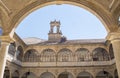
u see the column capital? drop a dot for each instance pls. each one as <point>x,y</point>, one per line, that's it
<point>6,39</point>
<point>113,36</point>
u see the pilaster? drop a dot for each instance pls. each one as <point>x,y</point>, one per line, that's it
<point>5,41</point>
<point>115,40</point>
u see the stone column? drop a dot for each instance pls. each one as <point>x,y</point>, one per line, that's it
<point>93,73</point>
<point>20,76</point>
<point>10,74</point>
<point>116,49</point>
<point>3,53</point>
<point>115,40</point>
<point>15,55</point>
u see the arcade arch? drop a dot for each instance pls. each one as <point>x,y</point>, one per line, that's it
<point>48,55</point>
<point>15,74</point>
<point>65,55</point>
<point>103,74</point>
<point>65,75</point>
<point>31,56</point>
<point>84,74</point>
<point>19,53</point>
<point>100,54</point>
<point>47,75</point>
<point>29,75</point>
<point>21,14</point>
<point>82,54</point>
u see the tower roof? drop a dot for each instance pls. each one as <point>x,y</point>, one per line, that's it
<point>55,23</point>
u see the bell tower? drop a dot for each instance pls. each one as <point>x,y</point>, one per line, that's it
<point>54,34</point>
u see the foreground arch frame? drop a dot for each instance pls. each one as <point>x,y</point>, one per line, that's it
<point>11,19</point>
<point>95,8</point>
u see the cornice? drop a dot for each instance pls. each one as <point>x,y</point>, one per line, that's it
<point>6,39</point>
<point>113,36</point>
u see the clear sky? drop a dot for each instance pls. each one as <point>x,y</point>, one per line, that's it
<point>76,23</point>
<point>0,31</point>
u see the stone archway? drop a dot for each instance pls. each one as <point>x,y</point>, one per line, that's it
<point>100,54</point>
<point>48,55</point>
<point>15,74</point>
<point>84,75</point>
<point>105,16</point>
<point>103,74</point>
<point>31,56</point>
<point>65,75</point>
<point>82,54</point>
<point>19,53</point>
<point>94,8</point>
<point>47,75</point>
<point>29,75</point>
<point>65,55</point>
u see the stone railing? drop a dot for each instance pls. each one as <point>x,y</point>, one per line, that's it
<point>12,59</point>
<point>85,63</point>
<point>56,63</point>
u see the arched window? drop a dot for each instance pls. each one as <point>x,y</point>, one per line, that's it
<point>48,55</point>
<point>82,54</point>
<point>19,53</point>
<point>84,75</point>
<point>47,75</point>
<point>31,56</point>
<point>65,75</point>
<point>12,49</point>
<point>55,29</point>
<point>65,55</point>
<point>104,74</point>
<point>100,54</point>
<point>111,51</point>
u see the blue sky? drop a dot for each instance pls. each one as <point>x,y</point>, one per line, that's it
<point>0,31</point>
<point>76,23</point>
